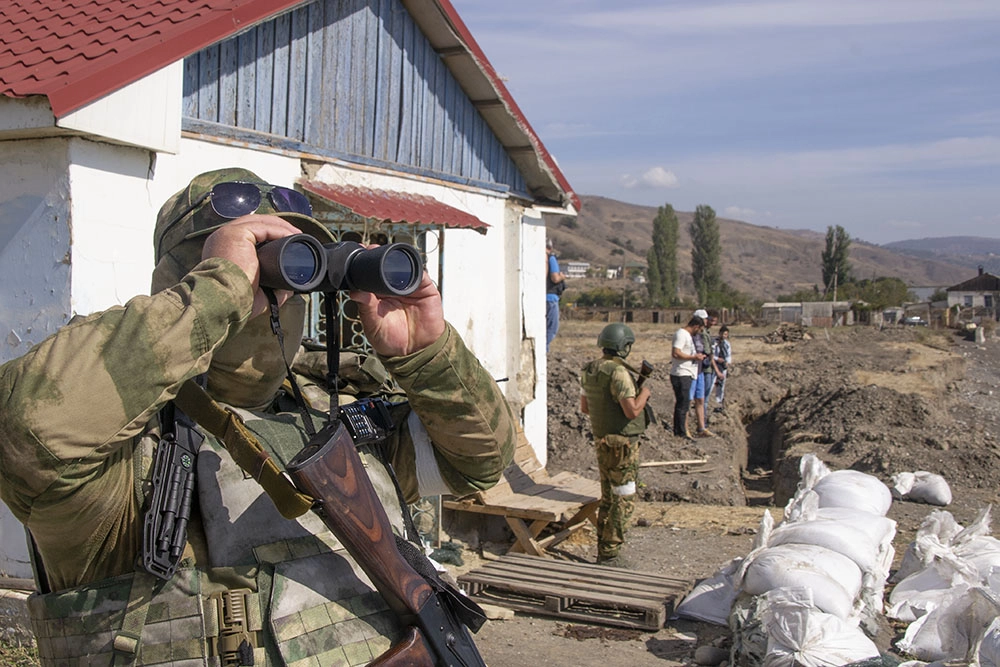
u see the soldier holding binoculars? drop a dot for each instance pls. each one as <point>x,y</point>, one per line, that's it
<point>83,413</point>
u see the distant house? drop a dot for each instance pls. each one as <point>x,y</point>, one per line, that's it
<point>576,269</point>
<point>810,314</point>
<point>777,312</point>
<point>983,291</point>
<point>635,270</point>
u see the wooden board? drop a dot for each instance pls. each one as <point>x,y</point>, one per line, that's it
<point>579,591</point>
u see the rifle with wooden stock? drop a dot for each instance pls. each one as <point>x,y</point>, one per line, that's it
<point>644,372</point>
<point>330,470</point>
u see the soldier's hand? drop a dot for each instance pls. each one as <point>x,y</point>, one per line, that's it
<point>400,325</point>
<point>237,241</point>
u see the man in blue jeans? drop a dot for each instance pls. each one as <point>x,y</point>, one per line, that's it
<point>555,283</point>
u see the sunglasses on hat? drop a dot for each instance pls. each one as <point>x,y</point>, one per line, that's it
<point>234,199</point>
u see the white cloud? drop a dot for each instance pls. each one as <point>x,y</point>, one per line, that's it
<point>656,178</point>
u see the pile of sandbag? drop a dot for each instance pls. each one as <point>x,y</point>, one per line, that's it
<point>948,590</point>
<point>921,487</point>
<point>802,595</point>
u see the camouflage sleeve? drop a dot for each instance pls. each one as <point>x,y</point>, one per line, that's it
<point>467,417</point>
<point>622,385</point>
<point>74,399</point>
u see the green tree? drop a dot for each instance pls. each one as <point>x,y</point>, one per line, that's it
<point>706,253</point>
<point>879,293</point>
<point>836,268</point>
<point>662,258</point>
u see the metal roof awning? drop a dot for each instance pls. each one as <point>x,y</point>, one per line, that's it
<point>378,206</point>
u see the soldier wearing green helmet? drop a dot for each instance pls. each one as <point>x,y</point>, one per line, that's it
<point>617,417</point>
<point>84,413</point>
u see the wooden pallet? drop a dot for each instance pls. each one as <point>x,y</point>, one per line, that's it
<point>580,591</point>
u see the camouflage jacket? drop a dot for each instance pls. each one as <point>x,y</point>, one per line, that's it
<point>78,416</point>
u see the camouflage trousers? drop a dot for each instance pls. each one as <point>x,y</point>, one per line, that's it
<point>618,463</point>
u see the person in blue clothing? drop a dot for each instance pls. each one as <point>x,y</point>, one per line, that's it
<point>555,283</point>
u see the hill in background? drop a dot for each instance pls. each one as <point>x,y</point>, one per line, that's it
<point>968,251</point>
<point>760,261</point>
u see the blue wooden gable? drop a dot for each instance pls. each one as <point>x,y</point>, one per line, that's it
<point>349,79</point>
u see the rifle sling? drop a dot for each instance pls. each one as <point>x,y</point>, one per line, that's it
<point>461,607</point>
<point>244,448</point>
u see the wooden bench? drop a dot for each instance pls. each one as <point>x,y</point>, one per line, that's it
<point>531,500</point>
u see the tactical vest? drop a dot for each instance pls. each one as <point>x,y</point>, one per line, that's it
<point>606,415</point>
<point>273,592</point>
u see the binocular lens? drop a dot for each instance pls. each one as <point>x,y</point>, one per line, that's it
<point>300,263</point>
<point>399,269</point>
<point>294,263</point>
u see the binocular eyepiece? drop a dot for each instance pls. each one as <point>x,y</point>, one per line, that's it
<point>302,264</point>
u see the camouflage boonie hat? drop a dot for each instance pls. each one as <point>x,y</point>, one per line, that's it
<point>181,230</point>
<point>174,225</point>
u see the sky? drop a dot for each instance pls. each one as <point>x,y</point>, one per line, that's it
<point>882,116</point>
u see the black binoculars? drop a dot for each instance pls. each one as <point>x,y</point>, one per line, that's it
<point>302,264</point>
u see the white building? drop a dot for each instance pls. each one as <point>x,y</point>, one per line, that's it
<point>982,291</point>
<point>385,112</point>
<point>576,269</point>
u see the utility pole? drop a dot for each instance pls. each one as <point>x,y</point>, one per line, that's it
<point>836,268</point>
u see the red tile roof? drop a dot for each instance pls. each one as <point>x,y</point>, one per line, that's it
<point>77,51</point>
<point>388,205</point>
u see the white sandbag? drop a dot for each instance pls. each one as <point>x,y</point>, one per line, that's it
<point>988,646</point>
<point>921,486</point>
<point>880,529</point>
<point>952,630</point>
<point>811,471</point>
<point>799,635</point>
<point>979,527</point>
<point>933,539</point>
<point>854,489</point>
<point>843,538</point>
<point>983,552</point>
<point>834,579</point>
<point>925,590</point>
<point>712,599</point>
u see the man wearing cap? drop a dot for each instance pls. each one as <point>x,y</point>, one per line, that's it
<point>685,360</point>
<point>555,285</point>
<point>81,419</point>
<point>703,346</point>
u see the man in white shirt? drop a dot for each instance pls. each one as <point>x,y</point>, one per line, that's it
<point>684,370</point>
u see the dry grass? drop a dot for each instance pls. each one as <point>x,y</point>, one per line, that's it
<point>918,376</point>
<point>12,655</point>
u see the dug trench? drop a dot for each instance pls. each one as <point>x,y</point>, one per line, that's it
<point>878,401</point>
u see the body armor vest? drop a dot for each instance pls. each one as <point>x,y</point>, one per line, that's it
<point>606,415</point>
<point>272,592</point>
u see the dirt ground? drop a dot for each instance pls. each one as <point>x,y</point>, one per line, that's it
<point>879,401</point>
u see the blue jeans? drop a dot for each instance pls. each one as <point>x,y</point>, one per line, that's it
<point>551,321</point>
